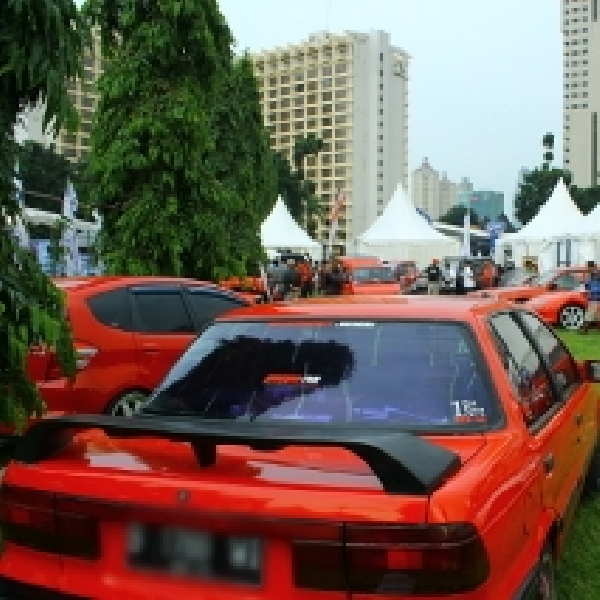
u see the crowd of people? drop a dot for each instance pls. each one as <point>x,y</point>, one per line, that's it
<point>292,278</point>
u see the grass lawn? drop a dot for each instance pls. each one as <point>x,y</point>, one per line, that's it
<point>579,567</point>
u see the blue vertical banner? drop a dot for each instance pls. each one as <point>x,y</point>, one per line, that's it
<point>496,229</point>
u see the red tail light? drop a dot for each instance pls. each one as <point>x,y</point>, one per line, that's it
<point>394,559</point>
<point>43,521</point>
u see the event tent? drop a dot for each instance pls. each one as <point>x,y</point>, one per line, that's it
<point>401,233</point>
<point>556,221</point>
<point>280,231</point>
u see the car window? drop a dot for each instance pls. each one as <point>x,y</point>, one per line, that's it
<point>161,311</point>
<point>207,305</point>
<point>524,367</point>
<point>404,374</point>
<point>567,281</point>
<point>562,366</point>
<point>372,274</point>
<point>112,308</point>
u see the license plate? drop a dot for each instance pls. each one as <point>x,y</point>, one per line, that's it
<point>193,553</point>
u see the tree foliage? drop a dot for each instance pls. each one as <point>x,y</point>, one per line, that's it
<point>535,189</point>
<point>41,49</point>
<point>298,192</point>
<point>243,162</point>
<point>456,216</point>
<point>178,165</point>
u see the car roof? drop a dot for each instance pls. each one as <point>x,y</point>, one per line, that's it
<point>460,308</point>
<point>94,283</point>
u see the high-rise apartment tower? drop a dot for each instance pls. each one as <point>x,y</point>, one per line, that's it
<point>581,94</point>
<point>351,90</point>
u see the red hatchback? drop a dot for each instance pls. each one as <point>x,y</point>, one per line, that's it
<point>356,448</point>
<point>128,332</point>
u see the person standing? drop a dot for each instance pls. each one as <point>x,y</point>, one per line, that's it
<point>468,278</point>
<point>434,277</point>
<point>592,286</point>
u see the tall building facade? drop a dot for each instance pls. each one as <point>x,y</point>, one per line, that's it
<point>433,194</point>
<point>84,95</point>
<point>351,90</point>
<point>581,95</point>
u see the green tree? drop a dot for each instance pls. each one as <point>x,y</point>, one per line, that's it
<point>586,198</point>
<point>41,49</point>
<point>289,185</point>
<point>548,145</point>
<point>152,168</point>
<point>535,189</point>
<point>244,163</point>
<point>456,216</point>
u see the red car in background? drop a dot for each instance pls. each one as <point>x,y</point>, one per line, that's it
<point>358,448</point>
<point>566,309</point>
<point>553,280</point>
<point>128,332</point>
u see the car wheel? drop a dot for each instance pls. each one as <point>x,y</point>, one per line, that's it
<point>127,404</point>
<point>571,316</point>
<point>546,584</point>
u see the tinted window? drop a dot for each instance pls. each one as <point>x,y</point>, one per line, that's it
<point>567,282</point>
<point>161,311</point>
<point>372,274</point>
<point>563,368</point>
<point>406,374</point>
<point>208,305</point>
<point>112,309</point>
<point>524,367</point>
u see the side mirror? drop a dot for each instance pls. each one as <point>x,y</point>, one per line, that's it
<point>590,370</point>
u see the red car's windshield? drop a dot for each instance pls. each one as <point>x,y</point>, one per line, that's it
<point>414,374</point>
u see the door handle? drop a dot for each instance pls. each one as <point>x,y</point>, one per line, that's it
<point>578,420</point>
<point>549,463</point>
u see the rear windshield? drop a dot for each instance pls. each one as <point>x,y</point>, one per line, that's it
<point>373,275</point>
<point>418,375</point>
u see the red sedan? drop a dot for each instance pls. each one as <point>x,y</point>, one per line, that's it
<point>566,309</point>
<point>352,448</point>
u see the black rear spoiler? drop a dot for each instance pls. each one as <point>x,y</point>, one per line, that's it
<point>404,463</point>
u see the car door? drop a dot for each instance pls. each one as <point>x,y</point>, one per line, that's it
<point>163,329</point>
<point>551,413</point>
<point>205,304</point>
<point>577,409</point>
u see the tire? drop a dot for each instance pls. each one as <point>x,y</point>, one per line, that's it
<point>127,404</point>
<point>571,316</point>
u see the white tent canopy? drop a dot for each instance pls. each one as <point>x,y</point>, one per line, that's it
<point>557,221</point>
<point>401,233</point>
<point>589,225</point>
<point>279,230</point>
<point>557,218</point>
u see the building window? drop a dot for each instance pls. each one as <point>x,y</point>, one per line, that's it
<point>340,67</point>
<point>340,81</point>
<point>381,73</point>
<point>380,163</point>
<point>326,122</point>
<point>327,71</point>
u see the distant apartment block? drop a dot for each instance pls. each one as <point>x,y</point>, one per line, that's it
<point>351,90</point>
<point>581,94</point>
<point>84,95</point>
<point>433,194</point>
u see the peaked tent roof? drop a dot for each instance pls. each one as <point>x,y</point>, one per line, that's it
<point>400,222</point>
<point>558,216</point>
<point>279,230</point>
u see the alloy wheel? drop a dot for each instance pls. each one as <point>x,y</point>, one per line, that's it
<point>571,316</point>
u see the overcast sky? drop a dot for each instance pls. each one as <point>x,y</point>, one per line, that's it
<point>485,76</point>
